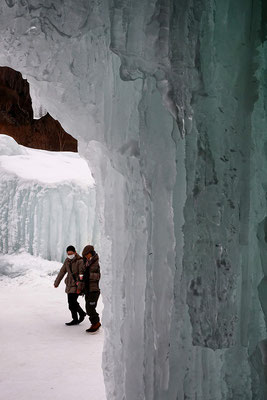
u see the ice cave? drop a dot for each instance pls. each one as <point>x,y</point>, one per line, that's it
<point>167,99</point>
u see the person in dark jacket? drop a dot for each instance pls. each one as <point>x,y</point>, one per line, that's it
<point>91,277</point>
<point>73,266</point>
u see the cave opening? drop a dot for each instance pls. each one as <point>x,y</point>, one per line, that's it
<point>48,201</point>
<point>29,124</point>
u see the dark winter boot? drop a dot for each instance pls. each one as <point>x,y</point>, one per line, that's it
<point>74,319</point>
<point>82,315</point>
<point>94,328</point>
<point>73,322</point>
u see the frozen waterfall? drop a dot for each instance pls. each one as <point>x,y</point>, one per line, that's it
<point>47,201</point>
<point>168,102</point>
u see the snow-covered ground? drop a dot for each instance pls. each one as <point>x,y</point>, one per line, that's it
<point>41,358</point>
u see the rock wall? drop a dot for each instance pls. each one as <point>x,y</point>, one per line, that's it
<point>16,117</point>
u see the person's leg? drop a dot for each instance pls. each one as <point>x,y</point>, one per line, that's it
<point>80,311</point>
<point>91,303</point>
<point>72,301</point>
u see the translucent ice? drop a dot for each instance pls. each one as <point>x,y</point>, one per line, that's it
<point>47,200</point>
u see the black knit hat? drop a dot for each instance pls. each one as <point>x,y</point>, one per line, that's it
<point>71,248</point>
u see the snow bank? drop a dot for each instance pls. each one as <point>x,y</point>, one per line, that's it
<point>19,266</point>
<point>9,147</point>
<point>47,201</point>
<point>43,166</point>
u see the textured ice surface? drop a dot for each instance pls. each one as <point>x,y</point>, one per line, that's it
<point>47,201</point>
<point>181,221</point>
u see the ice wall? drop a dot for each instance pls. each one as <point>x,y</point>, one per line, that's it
<point>168,102</point>
<point>47,201</point>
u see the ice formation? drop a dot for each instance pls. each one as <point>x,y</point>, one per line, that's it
<point>47,201</point>
<point>168,102</point>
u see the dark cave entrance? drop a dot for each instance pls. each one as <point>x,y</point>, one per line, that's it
<point>17,117</point>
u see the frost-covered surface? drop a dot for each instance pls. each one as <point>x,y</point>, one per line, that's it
<point>49,167</point>
<point>23,267</point>
<point>47,200</point>
<point>39,354</point>
<point>182,234</point>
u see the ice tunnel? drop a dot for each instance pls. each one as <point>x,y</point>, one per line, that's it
<point>167,99</point>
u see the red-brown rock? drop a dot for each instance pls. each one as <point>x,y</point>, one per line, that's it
<point>16,117</point>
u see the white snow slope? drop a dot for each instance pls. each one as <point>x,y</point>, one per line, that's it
<point>41,358</point>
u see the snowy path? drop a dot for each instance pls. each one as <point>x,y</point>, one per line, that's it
<point>41,358</point>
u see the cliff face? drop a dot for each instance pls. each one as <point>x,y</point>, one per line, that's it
<point>16,117</point>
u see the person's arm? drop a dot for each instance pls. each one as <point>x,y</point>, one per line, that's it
<point>95,272</point>
<point>81,267</point>
<point>80,282</point>
<point>60,276</point>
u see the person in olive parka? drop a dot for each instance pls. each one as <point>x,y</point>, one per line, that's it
<point>73,266</point>
<point>91,279</point>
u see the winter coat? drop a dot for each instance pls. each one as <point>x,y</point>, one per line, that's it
<point>91,275</point>
<point>77,268</point>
